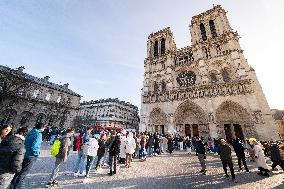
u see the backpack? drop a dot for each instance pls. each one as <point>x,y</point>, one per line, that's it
<point>55,148</point>
<point>6,159</point>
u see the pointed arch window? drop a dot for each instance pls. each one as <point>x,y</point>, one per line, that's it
<point>213,77</point>
<point>225,75</point>
<point>163,46</point>
<point>156,46</point>
<point>212,28</point>
<point>203,32</point>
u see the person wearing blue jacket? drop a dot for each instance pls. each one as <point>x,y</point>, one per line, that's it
<point>32,145</point>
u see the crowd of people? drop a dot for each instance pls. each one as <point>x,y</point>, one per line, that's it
<point>108,148</point>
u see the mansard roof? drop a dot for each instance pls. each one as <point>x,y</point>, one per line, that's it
<point>109,100</point>
<point>40,81</point>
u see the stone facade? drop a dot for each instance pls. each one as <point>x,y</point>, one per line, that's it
<point>278,116</point>
<point>110,113</point>
<point>26,100</point>
<point>207,89</point>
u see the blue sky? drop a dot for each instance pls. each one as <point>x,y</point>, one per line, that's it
<point>99,46</point>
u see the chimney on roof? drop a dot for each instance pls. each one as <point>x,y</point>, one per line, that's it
<point>66,85</point>
<point>46,78</point>
<point>20,69</point>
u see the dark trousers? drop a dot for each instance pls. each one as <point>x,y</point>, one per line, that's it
<point>230,164</point>
<point>275,163</point>
<point>240,160</point>
<point>99,162</point>
<point>18,179</point>
<point>112,162</point>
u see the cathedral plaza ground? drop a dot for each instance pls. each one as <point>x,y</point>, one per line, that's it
<point>178,170</point>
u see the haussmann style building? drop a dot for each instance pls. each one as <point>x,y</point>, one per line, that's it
<point>110,112</point>
<point>207,89</point>
<point>26,100</point>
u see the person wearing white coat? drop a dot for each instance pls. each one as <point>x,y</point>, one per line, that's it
<point>260,159</point>
<point>91,150</point>
<point>122,154</point>
<point>130,146</point>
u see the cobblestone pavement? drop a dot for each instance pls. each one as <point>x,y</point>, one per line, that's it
<point>178,170</point>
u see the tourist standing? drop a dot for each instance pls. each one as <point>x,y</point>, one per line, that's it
<point>113,153</point>
<point>32,145</point>
<point>101,150</point>
<point>201,153</point>
<point>225,153</point>
<point>170,144</point>
<point>61,156</point>
<point>129,149</point>
<point>12,152</point>
<point>188,145</point>
<point>5,130</point>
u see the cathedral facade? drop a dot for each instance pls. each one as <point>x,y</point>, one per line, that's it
<point>207,89</point>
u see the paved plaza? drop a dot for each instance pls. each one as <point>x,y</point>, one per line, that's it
<point>178,170</point>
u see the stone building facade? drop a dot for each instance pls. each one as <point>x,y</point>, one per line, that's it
<point>207,89</point>
<point>26,100</point>
<point>110,112</point>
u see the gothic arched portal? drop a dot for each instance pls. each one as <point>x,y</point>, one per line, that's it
<point>233,121</point>
<point>191,120</point>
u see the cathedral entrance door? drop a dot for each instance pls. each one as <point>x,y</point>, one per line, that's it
<point>156,128</point>
<point>187,130</point>
<point>228,132</point>
<point>162,129</point>
<point>238,131</point>
<point>195,130</point>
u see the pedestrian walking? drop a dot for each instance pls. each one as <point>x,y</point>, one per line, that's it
<point>12,152</point>
<point>61,156</point>
<point>78,145</point>
<point>91,149</point>
<point>275,156</point>
<point>201,153</point>
<point>240,153</point>
<point>32,145</point>
<point>225,153</point>
<point>101,151</point>
<point>260,158</point>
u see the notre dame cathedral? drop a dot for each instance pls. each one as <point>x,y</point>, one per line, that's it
<point>207,89</point>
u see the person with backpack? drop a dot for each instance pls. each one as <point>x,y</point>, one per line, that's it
<point>12,152</point>
<point>32,145</point>
<point>65,145</point>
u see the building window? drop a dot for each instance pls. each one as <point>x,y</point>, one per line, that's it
<point>58,99</point>
<point>187,78</point>
<point>156,87</point>
<point>164,86</point>
<point>156,47</point>
<point>225,75</point>
<point>48,96</point>
<point>212,28</point>
<point>163,46</point>
<point>203,32</point>
<point>213,77</point>
<point>35,93</point>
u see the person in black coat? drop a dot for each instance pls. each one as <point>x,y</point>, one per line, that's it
<point>201,153</point>
<point>114,150</point>
<point>240,153</point>
<point>101,150</point>
<point>12,151</point>
<point>170,144</point>
<point>275,156</point>
<point>157,145</point>
<point>225,153</point>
